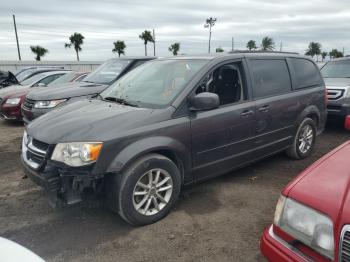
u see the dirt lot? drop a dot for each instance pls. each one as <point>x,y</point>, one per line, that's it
<point>220,220</point>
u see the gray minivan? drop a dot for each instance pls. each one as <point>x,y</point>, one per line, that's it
<point>175,121</point>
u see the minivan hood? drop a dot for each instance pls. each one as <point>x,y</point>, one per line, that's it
<point>340,82</point>
<point>324,186</point>
<point>88,120</point>
<point>14,90</point>
<point>66,91</point>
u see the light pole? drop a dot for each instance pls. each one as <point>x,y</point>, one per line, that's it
<point>210,22</point>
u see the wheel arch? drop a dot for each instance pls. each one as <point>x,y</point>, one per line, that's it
<point>311,112</point>
<point>165,146</point>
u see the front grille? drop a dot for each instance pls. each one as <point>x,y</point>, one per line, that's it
<point>28,103</point>
<point>335,94</point>
<point>34,152</point>
<point>344,252</point>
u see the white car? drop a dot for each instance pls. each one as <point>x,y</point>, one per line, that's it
<point>13,252</point>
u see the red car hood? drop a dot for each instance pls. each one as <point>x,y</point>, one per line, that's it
<point>324,186</point>
<point>14,91</point>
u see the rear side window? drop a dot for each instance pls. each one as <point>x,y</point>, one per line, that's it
<point>306,72</point>
<point>270,77</point>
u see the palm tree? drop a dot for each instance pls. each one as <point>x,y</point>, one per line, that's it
<point>174,48</point>
<point>38,51</point>
<point>219,50</point>
<point>335,54</point>
<point>267,44</point>
<point>324,55</point>
<point>119,47</point>
<point>314,49</point>
<point>251,45</point>
<point>76,40</point>
<point>209,23</point>
<point>146,36</point>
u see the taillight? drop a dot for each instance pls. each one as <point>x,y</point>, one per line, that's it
<point>325,96</point>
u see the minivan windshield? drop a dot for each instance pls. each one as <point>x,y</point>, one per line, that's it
<point>336,69</point>
<point>107,72</point>
<point>153,84</point>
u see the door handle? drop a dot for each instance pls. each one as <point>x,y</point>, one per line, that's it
<point>264,108</point>
<point>246,113</point>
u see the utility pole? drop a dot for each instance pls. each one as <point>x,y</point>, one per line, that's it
<point>154,44</point>
<point>281,45</point>
<point>210,22</point>
<point>14,23</point>
<point>233,44</point>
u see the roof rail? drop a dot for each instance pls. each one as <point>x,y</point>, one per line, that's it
<point>262,51</point>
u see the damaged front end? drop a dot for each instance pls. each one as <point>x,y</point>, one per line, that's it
<point>63,184</point>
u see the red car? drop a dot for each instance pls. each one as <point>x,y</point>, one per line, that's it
<point>312,218</point>
<point>11,98</point>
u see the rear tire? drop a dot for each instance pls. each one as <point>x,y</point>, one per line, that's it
<point>148,190</point>
<point>304,140</point>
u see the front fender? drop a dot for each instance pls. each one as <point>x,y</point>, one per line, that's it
<point>148,145</point>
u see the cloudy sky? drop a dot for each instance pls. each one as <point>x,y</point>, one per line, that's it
<point>50,22</point>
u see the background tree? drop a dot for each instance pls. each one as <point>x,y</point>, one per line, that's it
<point>335,54</point>
<point>76,40</point>
<point>146,36</point>
<point>314,49</point>
<point>174,48</point>
<point>251,45</point>
<point>324,55</point>
<point>219,50</point>
<point>209,23</point>
<point>39,51</point>
<point>119,47</point>
<point>267,44</point>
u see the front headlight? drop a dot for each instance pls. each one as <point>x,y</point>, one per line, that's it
<point>306,225</point>
<point>77,154</point>
<point>13,101</point>
<point>48,104</point>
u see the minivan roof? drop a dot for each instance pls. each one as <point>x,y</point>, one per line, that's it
<point>237,54</point>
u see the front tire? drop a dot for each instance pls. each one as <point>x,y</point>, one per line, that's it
<point>148,190</point>
<point>304,140</point>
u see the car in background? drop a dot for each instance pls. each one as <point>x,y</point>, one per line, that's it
<point>312,217</point>
<point>7,79</point>
<point>69,77</point>
<point>42,101</point>
<point>13,252</point>
<point>12,97</point>
<point>28,72</point>
<point>172,122</point>
<point>336,74</point>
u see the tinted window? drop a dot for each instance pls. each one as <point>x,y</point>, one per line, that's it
<point>270,77</point>
<point>306,72</point>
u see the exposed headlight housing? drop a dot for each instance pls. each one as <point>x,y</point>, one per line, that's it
<point>77,154</point>
<point>13,101</point>
<point>306,225</point>
<point>48,104</point>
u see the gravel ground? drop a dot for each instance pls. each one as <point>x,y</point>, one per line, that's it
<point>219,220</point>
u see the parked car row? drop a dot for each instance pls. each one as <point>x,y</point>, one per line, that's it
<point>137,130</point>
<point>12,97</point>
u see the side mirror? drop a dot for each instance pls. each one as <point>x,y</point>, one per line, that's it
<point>41,85</point>
<point>204,101</point>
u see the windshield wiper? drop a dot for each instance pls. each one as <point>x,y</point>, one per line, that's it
<point>120,101</point>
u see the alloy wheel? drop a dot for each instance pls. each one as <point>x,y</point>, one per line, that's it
<point>152,192</point>
<point>305,140</point>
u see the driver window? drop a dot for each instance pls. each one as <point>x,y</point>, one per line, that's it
<point>226,82</point>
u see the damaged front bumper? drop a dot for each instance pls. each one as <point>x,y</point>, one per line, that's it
<point>64,185</point>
